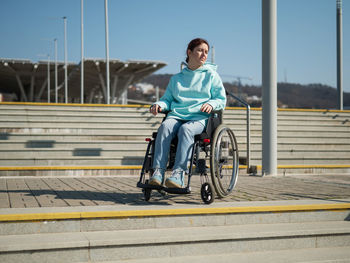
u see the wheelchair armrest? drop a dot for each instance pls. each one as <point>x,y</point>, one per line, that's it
<point>162,112</point>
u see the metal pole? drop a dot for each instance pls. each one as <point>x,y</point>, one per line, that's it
<point>56,88</point>
<point>212,54</point>
<point>65,61</point>
<point>82,54</point>
<point>48,78</point>
<point>248,138</point>
<point>269,87</point>
<point>157,93</point>
<point>339,55</point>
<point>107,53</point>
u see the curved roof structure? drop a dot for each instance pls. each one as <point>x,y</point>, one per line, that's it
<point>29,80</point>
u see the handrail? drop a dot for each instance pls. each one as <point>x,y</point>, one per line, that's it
<point>248,125</point>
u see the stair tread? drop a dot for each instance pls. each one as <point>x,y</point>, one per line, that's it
<point>309,255</point>
<point>10,243</point>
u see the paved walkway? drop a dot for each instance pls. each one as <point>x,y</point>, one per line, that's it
<point>22,192</point>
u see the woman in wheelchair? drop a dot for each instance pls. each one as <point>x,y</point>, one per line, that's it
<point>190,97</point>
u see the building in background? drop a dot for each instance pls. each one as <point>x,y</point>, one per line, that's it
<point>27,81</point>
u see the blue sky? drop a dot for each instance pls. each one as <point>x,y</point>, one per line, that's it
<point>160,30</point>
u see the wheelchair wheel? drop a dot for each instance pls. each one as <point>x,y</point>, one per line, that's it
<point>224,161</point>
<point>207,194</point>
<point>147,193</point>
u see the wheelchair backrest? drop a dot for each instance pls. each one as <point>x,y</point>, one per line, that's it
<point>215,119</point>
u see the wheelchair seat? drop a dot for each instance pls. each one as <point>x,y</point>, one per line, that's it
<point>215,119</point>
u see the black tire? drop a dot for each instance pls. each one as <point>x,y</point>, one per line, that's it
<point>147,193</point>
<point>207,193</point>
<point>224,161</point>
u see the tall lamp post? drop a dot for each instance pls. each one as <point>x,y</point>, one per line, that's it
<point>107,53</point>
<point>339,55</point>
<point>48,78</point>
<point>82,53</point>
<point>56,80</point>
<point>65,61</point>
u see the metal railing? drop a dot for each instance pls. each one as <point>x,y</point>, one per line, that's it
<point>247,106</point>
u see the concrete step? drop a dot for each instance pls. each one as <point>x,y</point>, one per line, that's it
<point>308,161</point>
<point>87,158</point>
<point>107,131</point>
<point>234,115</point>
<point>56,153</point>
<point>144,108</point>
<point>19,145</point>
<point>35,153</point>
<point>72,161</point>
<point>47,145</point>
<point>139,134</point>
<point>141,123</point>
<point>240,136</point>
<point>306,154</point>
<point>62,137</point>
<point>23,221</point>
<point>77,152</point>
<point>69,136</point>
<point>173,242</point>
<point>157,232</point>
<point>310,255</point>
<point>148,118</point>
<point>88,127</point>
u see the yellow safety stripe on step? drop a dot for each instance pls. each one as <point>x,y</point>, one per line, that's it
<point>30,168</point>
<point>172,212</point>
<point>314,166</point>
<point>147,106</point>
<point>76,104</point>
<point>138,167</point>
<point>49,168</point>
<point>291,110</point>
<point>310,166</point>
<point>311,110</point>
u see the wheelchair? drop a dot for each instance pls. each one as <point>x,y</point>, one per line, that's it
<point>215,151</point>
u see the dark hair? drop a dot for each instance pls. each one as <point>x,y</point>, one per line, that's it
<point>195,42</point>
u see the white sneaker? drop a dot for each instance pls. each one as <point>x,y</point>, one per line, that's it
<point>176,180</point>
<point>157,177</point>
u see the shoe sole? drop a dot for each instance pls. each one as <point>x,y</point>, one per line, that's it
<point>171,184</point>
<point>155,182</point>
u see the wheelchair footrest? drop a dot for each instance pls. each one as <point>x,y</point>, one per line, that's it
<point>182,191</point>
<point>185,190</point>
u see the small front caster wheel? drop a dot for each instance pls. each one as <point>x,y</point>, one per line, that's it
<point>147,192</point>
<point>207,193</point>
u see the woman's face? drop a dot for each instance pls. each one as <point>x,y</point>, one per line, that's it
<point>199,55</point>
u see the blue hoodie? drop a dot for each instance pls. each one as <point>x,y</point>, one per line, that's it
<point>188,90</point>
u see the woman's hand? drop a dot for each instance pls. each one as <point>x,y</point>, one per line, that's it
<point>206,108</point>
<point>155,109</point>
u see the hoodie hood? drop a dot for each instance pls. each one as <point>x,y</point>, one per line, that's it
<point>207,66</point>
